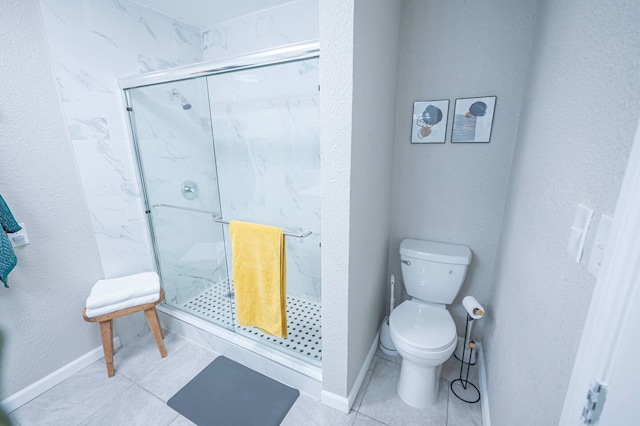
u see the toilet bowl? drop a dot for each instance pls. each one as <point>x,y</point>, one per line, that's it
<point>421,328</point>
<point>425,338</point>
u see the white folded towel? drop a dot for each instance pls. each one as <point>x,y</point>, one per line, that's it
<point>107,293</point>
<point>130,303</point>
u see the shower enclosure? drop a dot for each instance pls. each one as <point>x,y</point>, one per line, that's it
<point>233,140</point>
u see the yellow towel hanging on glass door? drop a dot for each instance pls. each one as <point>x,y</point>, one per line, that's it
<point>259,276</point>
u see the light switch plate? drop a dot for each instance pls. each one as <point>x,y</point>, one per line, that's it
<point>19,238</point>
<point>579,229</point>
<point>599,245</point>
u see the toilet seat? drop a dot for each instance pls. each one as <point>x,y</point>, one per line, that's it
<point>422,327</point>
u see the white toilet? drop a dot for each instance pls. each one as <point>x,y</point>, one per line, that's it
<point>422,329</point>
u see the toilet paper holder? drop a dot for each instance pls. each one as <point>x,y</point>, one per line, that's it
<point>463,389</point>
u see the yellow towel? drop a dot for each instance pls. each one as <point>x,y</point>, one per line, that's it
<point>259,276</point>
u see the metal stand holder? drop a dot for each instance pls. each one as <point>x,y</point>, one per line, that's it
<point>463,389</point>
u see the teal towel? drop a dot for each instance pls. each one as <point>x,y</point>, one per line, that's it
<point>7,221</point>
<point>8,259</point>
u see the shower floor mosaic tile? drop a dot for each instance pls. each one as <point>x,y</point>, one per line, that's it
<point>217,304</point>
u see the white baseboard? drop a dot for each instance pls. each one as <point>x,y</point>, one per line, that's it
<point>342,403</point>
<point>25,395</point>
<point>486,420</point>
<point>332,400</point>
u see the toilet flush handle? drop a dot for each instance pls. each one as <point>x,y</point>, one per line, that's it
<point>406,262</point>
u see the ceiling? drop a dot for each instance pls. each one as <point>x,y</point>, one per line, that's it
<point>204,13</point>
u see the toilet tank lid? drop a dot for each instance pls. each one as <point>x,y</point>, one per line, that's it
<point>436,252</point>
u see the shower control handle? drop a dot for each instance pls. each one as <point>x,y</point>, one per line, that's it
<point>406,262</point>
<point>189,190</point>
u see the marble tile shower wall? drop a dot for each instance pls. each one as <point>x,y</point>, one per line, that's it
<point>93,43</point>
<point>292,22</point>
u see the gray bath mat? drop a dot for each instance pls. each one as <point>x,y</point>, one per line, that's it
<point>227,393</point>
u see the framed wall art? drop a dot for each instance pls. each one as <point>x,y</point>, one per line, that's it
<point>429,121</point>
<point>473,119</point>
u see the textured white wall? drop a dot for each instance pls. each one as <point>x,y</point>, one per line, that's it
<point>358,80</point>
<point>336,82</point>
<point>375,76</point>
<point>579,116</point>
<point>455,193</point>
<point>42,311</point>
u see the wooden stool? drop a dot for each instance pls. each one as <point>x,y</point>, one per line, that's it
<point>106,329</point>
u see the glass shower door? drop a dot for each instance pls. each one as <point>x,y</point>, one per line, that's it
<point>172,133</point>
<point>267,138</point>
<point>240,145</point>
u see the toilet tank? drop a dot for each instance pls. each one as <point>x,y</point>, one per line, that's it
<point>432,271</point>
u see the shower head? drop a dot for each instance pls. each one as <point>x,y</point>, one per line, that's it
<point>185,104</point>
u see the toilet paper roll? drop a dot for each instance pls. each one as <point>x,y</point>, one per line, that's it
<point>475,310</point>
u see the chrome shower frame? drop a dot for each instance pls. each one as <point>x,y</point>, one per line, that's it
<point>280,55</point>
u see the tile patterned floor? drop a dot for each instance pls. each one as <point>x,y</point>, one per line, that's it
<point>137,394</point>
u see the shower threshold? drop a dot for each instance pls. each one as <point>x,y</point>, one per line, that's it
<point>217,305</point>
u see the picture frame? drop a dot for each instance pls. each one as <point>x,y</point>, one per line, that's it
<point>473,119</point>
<point>429,123</point>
